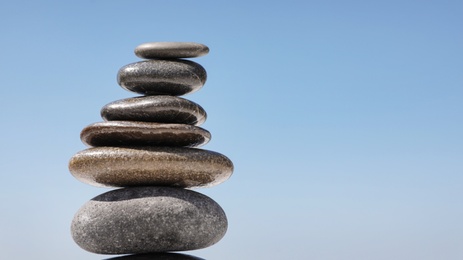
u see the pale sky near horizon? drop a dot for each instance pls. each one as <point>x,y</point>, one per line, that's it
<point>343,120</point>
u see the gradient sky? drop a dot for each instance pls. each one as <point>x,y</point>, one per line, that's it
<point>343,120</point>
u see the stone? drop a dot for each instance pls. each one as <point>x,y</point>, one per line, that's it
<point>131,133</point>
<point>170,50</point>
<point>144,166</point>
<point>157,256</point>
<point>148,219</point>
<point>161,109</point>
<point>162,77</point>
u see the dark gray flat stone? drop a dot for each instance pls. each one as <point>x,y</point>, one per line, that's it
<point>157,166</point>
<point>170,50</point>
<point>161,109</point>
<point>157,256</point>
<point>131,133</point>
<point>162,77</point>
<point>148,219</point>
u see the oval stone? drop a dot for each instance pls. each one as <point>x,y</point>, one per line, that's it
<point>148,219</point>
<point>131,133</point>
<point>157,256</point>
<point>162,77</point>
<point>161,109</point>
<point>170,50</point>
<point>157,166</point>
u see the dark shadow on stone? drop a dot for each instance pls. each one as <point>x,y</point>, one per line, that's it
<point>157,256</point>
<point>141,192</point>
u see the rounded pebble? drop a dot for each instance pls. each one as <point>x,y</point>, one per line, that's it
<point>159,166</point>
<point>131,133</point>
<point>170,50</point>
<point>161,109</point>
<point>148,219</point>
<point>157,256</point>
<point>162,77</point>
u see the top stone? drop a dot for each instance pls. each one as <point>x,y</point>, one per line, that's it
<point>170,50</point>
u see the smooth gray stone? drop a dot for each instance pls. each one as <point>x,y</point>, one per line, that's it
<point>148,219</point>
<point>157,256</point>
<point>161,109</point>
<point>157,166</point>
<point>131,133</point>
<point>170,50</point>
<point>162,77</point>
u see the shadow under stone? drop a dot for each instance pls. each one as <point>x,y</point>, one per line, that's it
<point>157,256</point>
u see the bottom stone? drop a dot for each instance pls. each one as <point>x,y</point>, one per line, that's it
<point>148,219</point>
<point>157,256</point>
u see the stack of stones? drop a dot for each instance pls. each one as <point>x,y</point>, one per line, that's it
<point>147,146</point>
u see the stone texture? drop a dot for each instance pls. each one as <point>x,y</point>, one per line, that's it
<point>170,50</point>
<point>143,166</point>
<point>157,256</point>
<point>148,219</point>
<point>131,133</point>
<point>161,109</point>
<point>162,77</point>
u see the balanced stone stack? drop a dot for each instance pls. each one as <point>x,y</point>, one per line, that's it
<point>148,146</point>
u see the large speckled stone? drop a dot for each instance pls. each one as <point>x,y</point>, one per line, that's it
<point>148,219</point>
<point>170,50</point>
<point>162,77</point>
<point>131,133</point>
<point>161,109</point>
<point>141,166</point>
<point>157,256</point>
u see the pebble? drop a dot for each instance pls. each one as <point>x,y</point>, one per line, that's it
<point>161,109</point>
<point>131,133</point>
<point>170,50</point>
<point>157,256</point>
<point>162,77</point>
<point>148,219</point>
<point>143,166</point>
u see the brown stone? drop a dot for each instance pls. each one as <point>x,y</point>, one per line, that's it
<point>145,166</point>
<point>130,133</point>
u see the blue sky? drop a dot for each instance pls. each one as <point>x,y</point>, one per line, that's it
<point>343,120</point>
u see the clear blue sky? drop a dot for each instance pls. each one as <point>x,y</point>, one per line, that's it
<point>343,120</point>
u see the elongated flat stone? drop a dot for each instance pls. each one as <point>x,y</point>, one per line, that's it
<point>170,50</point>
<point>162,77</point>
<point>161,109</point>
<point>157,166</point>
<point>131,133</point>
<point>157,256</point>
<point>148,219</point>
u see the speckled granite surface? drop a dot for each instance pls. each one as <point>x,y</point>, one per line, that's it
<point>148,219</point>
